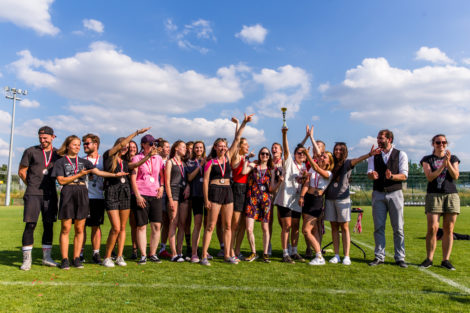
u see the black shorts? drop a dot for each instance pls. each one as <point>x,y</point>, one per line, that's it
<point>286,212</point>
<point>239,197</point>
<point>177,193</point>
<point>117,197</point>
<point>220,194</point>
<point>198,205</point>
<point>152,212</point>
<point>74,202</point>
<point>46,205</point>
<point>96,216</point>
<point>313,205</point>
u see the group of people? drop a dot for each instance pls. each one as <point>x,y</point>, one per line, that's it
<point>227,190</point>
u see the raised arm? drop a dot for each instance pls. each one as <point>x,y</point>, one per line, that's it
<point>316,149</point>
<point>285,144</point>
<point>105,174</point>
<point>153,151</point>
<point>307,134</point>
<point>315,166</point>
<point>238,135</point>
<point>372,152</point>
<point>128,139</point>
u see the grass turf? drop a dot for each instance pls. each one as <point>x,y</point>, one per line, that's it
<point>256,286</point>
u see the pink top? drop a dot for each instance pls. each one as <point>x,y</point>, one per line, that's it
<point>148,174</point>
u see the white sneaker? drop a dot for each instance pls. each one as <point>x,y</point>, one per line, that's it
<point>346,260</point>
<point>120,261</point>
<point>108,262</point>
<point>47,259</point>
<point>335,260</point>
<point>27,260</point>
<point>317,261</point>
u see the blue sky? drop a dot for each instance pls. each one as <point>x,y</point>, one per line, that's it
<point>185,67</point>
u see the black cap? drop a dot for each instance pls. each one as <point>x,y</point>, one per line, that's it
<point>46,130</point>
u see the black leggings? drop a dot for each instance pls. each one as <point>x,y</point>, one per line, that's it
<point>28,234</point>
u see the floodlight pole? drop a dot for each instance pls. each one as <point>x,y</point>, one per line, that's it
<point>11,94</point>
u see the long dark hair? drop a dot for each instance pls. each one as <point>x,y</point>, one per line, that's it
<point>127,156</point>
<point>64,149</point>
<point>213,154</point>
<point>339,162</point>
<point>193,156</point>
<point>174,146</point>
<point>434,138</point>
<point>270,160</point>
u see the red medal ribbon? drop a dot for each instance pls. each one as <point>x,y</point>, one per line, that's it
<point>180,167</point>
<point>75,168</point>
<point>122,167</point>
<point>96,161</point>
<point>223,172</point>
<point>46,161</point>
<point>199,166</point>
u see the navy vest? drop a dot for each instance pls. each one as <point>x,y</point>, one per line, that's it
<point>383,184</point>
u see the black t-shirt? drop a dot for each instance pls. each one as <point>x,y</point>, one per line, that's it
<point>107,165</point>
<point>67,167</point>
<point>38,183</point>
<point>444,183</point>
<point>196,183</point>
<point>339,187</point>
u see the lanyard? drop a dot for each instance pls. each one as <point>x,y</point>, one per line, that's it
<point>316,180</point>
<point>180,167</point>
<point>122,166</point>
<point>46,161</point>
<point>221,171</point>
<point>96,161</point>
<point>263,173</point>
<point>199,166</point>
<point>149,164</point>
<point>75,168</point>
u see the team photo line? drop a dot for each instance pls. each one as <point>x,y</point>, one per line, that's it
<point>175,187</point>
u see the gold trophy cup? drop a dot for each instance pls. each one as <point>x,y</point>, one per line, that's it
<point>284,125</point>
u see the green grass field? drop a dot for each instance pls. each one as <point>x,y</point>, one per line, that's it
<point>256,286</point>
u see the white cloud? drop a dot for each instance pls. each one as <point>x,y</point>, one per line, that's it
<point>433,55</point>
<point>255,34</point>
<point>287,87</point>
<point>196,31</point>
<point>466,61</point>
<point>414,103</point>
<point>106,76</point>
<point>26,103</point>
<point>29,14</point>
<point>93,25</point>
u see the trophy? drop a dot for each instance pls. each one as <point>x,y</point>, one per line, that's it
<point>284,125</point>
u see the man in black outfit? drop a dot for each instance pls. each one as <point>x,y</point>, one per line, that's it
<point>40,196</point>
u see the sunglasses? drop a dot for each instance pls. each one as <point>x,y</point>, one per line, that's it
<point>440,142</point>
<point>87,143</point>
<point>300,152</point>
<point>264,153</point>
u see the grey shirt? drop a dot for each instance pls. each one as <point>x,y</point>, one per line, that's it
<point>339,186</point>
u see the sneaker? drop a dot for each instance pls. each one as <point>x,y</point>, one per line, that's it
<point>252,257</point>
<point>335,260</point>
<point>297,258</point>
<point>65,265</point>
<point>446,264</point>
<point>47,259</point>
<point>176,259</point>
<point>154,258</point>
<point>108,262</point>
<point>205,262</point>
<point>77,263</point>
<point>317,261</point>
<point>210,257</point>
<point>164,255</point>
<point>113,255</point>
<point>376,262</point>
<point>426,263</point>
<point>180,258</point>
<point>231,260</point>
<point>134,255</point>
<point>195,259</point>
<point>82,258</point>
<point>402,264</point>
<point>221,253</point>
<point>266,258</point>
<point>96,258</point>
<point>27,260</point>
<point>241,257</point>
<point>346,260</point>
<point>287,259</point>
<point>120,261</point>
<point>143,260</point>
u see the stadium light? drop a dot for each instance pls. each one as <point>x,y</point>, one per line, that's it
<point>11,93</point>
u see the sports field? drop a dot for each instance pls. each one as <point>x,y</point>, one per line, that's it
<point>174,287</point>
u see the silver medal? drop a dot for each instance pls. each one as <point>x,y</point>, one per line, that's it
<point>152,180</point>
<point>76,180</point>
<point>201,179</point>
<point>45,171</point>
<point>183,183</point>
<point>123,180</point>
<point>222,181</point>
<point>263,188</point>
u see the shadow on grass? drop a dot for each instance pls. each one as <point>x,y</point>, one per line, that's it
<point>456,296</point>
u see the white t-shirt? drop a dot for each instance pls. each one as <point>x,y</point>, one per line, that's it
<point>318,181</point>
<point>93,182</point>
<point>289,192</point>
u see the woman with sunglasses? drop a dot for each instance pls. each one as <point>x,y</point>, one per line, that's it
<point>218,196</point>
<point>195,179</point>
<point>441,169</point>
<point>177,190</point>
<point>258,200</point>
<point>117,195</point>
<point>287,199</point>
<point>70,172</point>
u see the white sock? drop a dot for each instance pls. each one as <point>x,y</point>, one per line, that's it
<point>319,255</point>
<point>29,248</point>
<point>96,251</point>
<point>294,250</point>
<point>46,247</point>
<point>285,252</point>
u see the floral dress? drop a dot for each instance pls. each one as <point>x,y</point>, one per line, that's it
<point>258,198</point>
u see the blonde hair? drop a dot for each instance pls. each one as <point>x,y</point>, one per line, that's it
<point>64,149</point>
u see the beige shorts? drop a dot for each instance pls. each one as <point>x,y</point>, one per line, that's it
<point>441,203</point>
<point>338,210</point>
